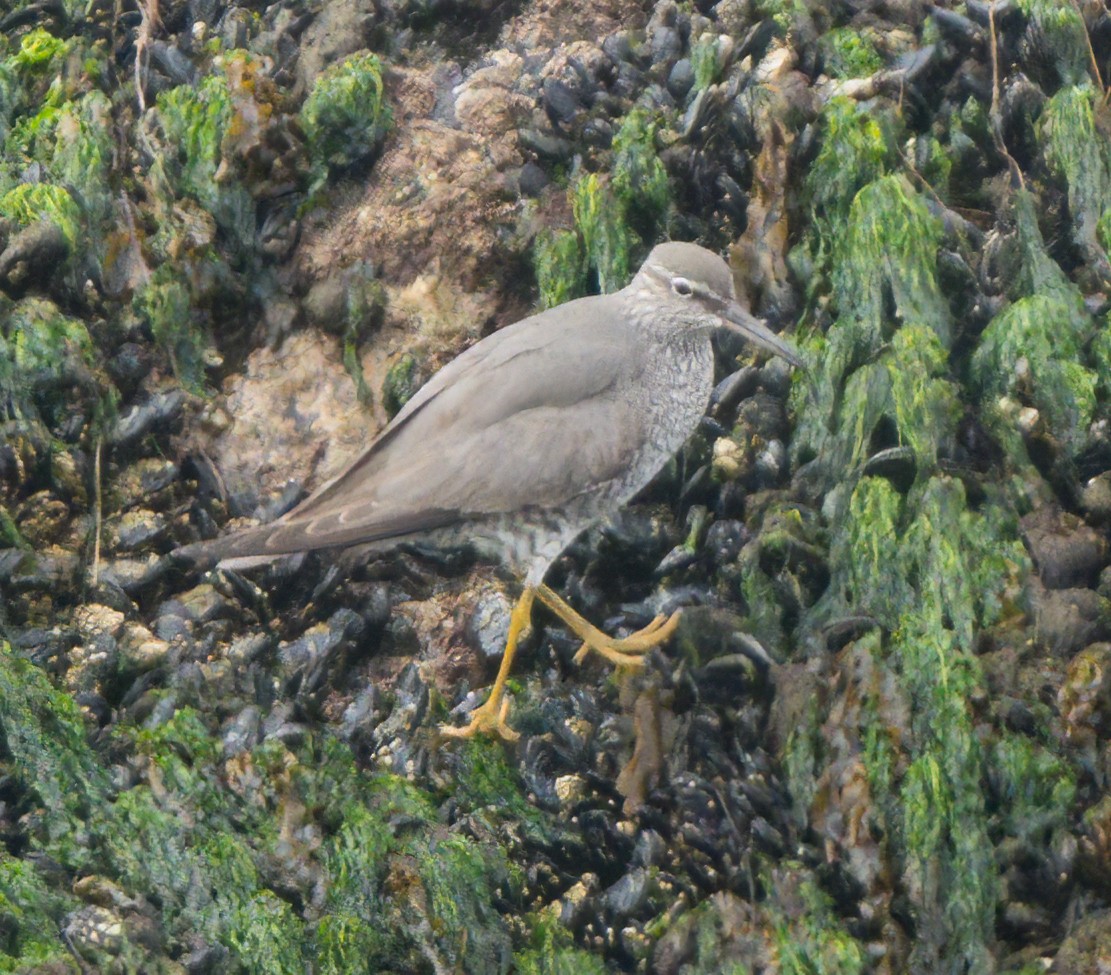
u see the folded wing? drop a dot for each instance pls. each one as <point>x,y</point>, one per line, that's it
<point>531,417</point>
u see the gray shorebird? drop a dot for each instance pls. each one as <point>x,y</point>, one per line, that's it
<point>528,438</point>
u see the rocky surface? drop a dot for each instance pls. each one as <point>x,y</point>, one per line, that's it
<point>235,238</point>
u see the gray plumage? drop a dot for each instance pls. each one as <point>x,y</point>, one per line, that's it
<point>535,432</point>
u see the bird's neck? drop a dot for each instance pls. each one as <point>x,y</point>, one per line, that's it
<point>662,325</point>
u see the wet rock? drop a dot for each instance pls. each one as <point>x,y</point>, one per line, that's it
<point>1085,696</point>
<point>560,102</point>
<point>897,464</point>
<point>771,464</point>
<point>242,733</point>
<point>681,79</point>
<point>22,570</point>
<point>575,903</point>
<point>488,626</point>
<point>1068,619</point>
<point>42,519</point>
<point>307,661</point>
<point>140,649</point>
<point>33,255</point>
<point>395,748</point>
<point>158,413</point>
<point>94,931</point>
<point>136,529</point>
<point>245,650</point>
<point>1096,498</point>
<point>206,960</point>
<point>292,413</point>
<point>532,179</point>
<point>1087,948</point>
<point>626,897</point>
<point>202,604</point>
<point>545,146</point>
<point>129,365</point>
<point>1066,551</point>
<point>338,30</point>
<point>361,717</point>
<point>92,662</point>
<point>132,576</point>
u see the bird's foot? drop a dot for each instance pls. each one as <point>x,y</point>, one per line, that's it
<point>488,718</point>
<point>491,716</point>
<point>628,651</point>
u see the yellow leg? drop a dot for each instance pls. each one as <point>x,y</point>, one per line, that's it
<point>625,651</point>
<point>491,715</point>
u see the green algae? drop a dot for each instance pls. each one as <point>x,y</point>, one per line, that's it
<point>1031,352</point>
<point>1039,351</point>
<point>592,258</point>
<point>639,183</point>
<point>888,256</point>
<point>195,121</point>
<point>858,147</point>
<point>560,268</point>
<point>1061,37</point>
<point>364,303</point>
<point>400,384</point>
<point>72,143</point>
<point>40,53</point>
<point>1079,156</point>
<point>932,573</point>
<point>886,547</point>
<point>345,116</point>
<point>605,241</point>
<point>812,941</point>
<point>550,951</point>
<point>39,348</point>
<point>1036,788</point>
<point>847,53</point>
<point>80,156</point>
<point>401,891</point>
<point>705,61</point>
<point>29,913</point>
<point>793,928</point>
<point>31,203</point>
<point>9,532</point>
<point>1032,270</point>
<point>884,362</point>
<point>934,164</point>
<point>165,303</point>
<point>45,754</point>
<point>613,216</point>
<point>489,784</point>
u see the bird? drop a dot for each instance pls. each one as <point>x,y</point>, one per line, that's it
<point>532,435</point>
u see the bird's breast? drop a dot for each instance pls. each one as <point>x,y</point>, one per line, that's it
<point>671,398</point>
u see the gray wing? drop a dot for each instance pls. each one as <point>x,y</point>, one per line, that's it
<point>530,417</point>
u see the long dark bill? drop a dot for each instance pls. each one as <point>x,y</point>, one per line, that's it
<point>753,329</point>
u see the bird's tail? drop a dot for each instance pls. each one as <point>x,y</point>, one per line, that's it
<point>239,550</point>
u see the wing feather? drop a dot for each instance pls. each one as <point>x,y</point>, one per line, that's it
<point>531,416</point>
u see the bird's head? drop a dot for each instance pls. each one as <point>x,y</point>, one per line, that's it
<point>698,285</point>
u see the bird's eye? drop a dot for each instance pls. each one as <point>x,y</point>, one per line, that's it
<point>681,286</point>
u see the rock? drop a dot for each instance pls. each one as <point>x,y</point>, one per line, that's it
<point>34,255</point>
<point>681,79</point>
<point>1066,551</point>
<point>136,529</point>
<point>160,411</point>
<point>140,649</point>
<point>1096,498</point>
<point>1085,696</point>
<point>1068,619</point>
<point>1087,948</point>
